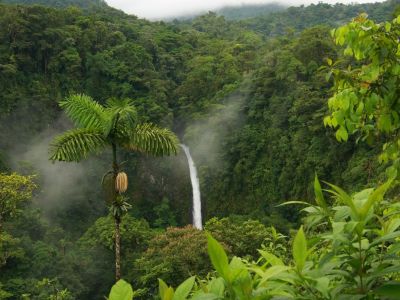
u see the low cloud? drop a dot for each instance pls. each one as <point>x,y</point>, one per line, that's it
<point>208,136</point>
<point>158,9</point>
<point>60,183</point>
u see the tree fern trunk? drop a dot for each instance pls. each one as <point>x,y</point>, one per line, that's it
<point>117,249</point>
<point>117,222</point>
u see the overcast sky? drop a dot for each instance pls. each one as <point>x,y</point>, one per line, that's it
<point>156,9</point>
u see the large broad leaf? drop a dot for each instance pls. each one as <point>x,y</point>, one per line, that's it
<point>183,291</point>
<point>386,271</point>
<point>386,237</point>
<point>162,288</point>
<point>217,286</point>
<point>218,257</point>
<point>121,291</point>
<point>389,290</point>
<point>240,278</point>
<point>271,272</point>
<point>343,197</point>
<point>375,197</point>
<point>392,225</point>
<point>166,293</point>
<point>300,249</point>
<point>271,259</point>
<point>319,197</point>
<point>207,296</point>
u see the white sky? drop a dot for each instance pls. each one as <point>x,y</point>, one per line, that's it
<point>156,9</point>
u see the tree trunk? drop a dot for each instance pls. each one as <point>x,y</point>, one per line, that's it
<point>117,220</point>
<point>117,249</point>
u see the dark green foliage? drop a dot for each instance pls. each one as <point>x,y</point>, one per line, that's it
<point>249,11</point>
<point>347,250</point>
<point>135,233</point>
<point>300,18</point>
<point>173,255</point>
<point>243,237</point>
<point>61,3</point>
<point>249,106</point>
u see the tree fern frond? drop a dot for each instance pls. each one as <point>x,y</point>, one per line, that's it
<point>121,111</point>
<point>84,111</point>
<point>151,139</point>
<point>76,144</point>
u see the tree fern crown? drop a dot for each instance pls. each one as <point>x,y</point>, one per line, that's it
<point>101,126</point>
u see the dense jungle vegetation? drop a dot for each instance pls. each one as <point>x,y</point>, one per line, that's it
<point>249,96</point>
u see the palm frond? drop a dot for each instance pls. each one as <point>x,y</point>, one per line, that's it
<point>76,144</point>
<point>121,112</point>
<point>84,111</point>
<point>149,138</point>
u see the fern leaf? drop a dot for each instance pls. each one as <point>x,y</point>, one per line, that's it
<point>76,144</point>
<point>151,139</point>
<point>84,112</point>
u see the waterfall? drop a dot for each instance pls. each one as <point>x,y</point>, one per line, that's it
<point>197,222</point>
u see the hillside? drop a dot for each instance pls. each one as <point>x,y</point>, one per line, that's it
<point>300,18</point>
<point>249,11</point>
<point>60,3</point>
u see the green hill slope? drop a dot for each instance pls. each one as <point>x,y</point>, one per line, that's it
<point>60,3</point>
<point>249,11</point>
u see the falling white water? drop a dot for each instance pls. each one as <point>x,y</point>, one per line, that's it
<point>197,223</point>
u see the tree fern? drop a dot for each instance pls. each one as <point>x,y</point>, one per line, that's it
<point>114,126</point>
<point>120,113</point>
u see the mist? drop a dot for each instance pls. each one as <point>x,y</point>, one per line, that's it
<point>208,136</point>
<point>61,184</point>
<point>161,9</point>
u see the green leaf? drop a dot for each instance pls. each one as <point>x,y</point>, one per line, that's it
<point>121,291</point>
<point>375,197</point>
<point>390,290</point>
<point>319,197</point>
<point>270,258</point>
<point>300,249</point>
<point>166,293</point>
<point>162,287</point>
<point>386,271</point>
<point>217,286</point>
<point>385,123</point>
<point>84,111</point>
<point>271,272</point>
<point>183,290</point>
<point>341,134</point>
<point>386,237</point>
<point>293,202</point>
<point>343,197</point>
<point>218,257</point>
<point>76,144</point>
<point>207,296</point>
<point>150,139</point>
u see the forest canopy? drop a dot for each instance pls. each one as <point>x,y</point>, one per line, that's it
<point>265,103</point>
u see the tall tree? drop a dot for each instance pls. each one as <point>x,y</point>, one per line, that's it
<point>14,191</point>
<point>366,93</point>
<point>111,126</point>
